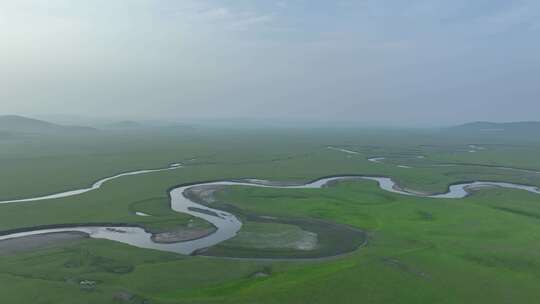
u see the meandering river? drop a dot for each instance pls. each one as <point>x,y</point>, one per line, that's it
<point>227,224</point>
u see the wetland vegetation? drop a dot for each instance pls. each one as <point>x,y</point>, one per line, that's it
<point>348,240</point>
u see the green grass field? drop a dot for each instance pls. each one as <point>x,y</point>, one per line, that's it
<point>482,249</point>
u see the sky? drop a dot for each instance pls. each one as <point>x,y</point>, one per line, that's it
<point>387,62</point>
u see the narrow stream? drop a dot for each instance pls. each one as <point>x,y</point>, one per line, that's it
<point>94,186</point>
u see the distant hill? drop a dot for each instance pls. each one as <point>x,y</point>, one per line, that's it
<point>126,124</point>
<point>484,126</point>
<point>143,126</point>
<point>525,129</point>
<point>14,124</point>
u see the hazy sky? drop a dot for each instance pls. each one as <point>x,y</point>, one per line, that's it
<point>372,61</point>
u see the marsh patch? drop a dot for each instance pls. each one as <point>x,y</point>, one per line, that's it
<point>425,215</point>
<point>30,243</point>
<point>275,236</point>
<point>93,262</point>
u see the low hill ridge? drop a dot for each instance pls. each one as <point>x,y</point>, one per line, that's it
<point>21,124</point>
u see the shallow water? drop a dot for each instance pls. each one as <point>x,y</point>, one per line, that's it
<point>404,167</point>
<point>343,150</point>
<point>227,224</point>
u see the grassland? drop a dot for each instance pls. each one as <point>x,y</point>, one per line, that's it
<point>483,248</point>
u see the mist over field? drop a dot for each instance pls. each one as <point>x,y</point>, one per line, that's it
<point>367,62</point>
